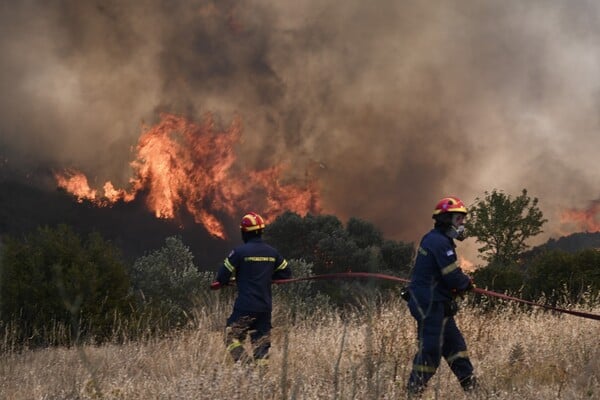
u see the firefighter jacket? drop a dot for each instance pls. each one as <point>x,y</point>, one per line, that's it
<point>254,265</point>
<point>436,275</point>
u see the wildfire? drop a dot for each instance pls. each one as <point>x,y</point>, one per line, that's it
<point>183,165</point>
<point>586,219</point>
<point>465,264</point>
<point>76,183</point>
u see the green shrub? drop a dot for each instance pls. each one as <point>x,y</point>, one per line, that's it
<point>166,281</point>
<point>500,278</point>
<point>558,274</point>
<point>51,278</point>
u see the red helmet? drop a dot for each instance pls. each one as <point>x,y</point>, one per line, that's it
<point>252,222</point>
<point>449,205</point>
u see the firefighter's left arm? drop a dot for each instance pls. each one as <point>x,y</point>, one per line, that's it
<point>282,269</point>
<point>455,278</point>
<point>452,275</point>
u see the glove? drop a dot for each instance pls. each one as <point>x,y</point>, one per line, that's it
<point>461,293</point>
<point>471,285</point>
<point>405,293</point>
<point>216,285</point>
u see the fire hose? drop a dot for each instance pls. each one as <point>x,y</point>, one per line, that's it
<point>489,293</point>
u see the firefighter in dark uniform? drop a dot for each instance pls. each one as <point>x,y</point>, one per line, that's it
<point>435,282</point>
<point>254,265</point>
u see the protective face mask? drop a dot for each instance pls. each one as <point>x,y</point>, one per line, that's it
<point>457,233</point>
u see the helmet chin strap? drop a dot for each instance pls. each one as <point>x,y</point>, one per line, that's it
<point>456,233</point>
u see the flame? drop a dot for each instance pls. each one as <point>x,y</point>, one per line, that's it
<point>586,219</point>
<point>465,264</point>
<point>183,165</point>
<point>76,183</point>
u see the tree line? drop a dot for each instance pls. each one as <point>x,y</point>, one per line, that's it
<point>54,277</point>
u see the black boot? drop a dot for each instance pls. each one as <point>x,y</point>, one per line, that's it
<point>414,390</point>
<point>469,384</point>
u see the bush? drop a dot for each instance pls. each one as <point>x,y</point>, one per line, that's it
<point>557,274</point>
<point>397,256</point>
<point>500,278</point>
<point>52,278</point>
<point>550,276</point>
<point>166,281</point>
<point>301,298</point>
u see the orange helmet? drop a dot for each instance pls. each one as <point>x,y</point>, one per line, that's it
<point>252,222</point>
<point>449,205</point>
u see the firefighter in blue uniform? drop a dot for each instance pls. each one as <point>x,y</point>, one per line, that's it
<point>254,265</point>
<point>435,282</point>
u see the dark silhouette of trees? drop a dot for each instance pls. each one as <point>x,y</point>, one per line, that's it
<point>330,246</point>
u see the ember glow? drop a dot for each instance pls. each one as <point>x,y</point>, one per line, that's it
<point>587,219</point>
<point>183,165</point>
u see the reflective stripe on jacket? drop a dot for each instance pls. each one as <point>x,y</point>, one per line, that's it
<point>254,264</point>
<point>436,271</point>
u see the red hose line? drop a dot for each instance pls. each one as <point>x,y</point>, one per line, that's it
<point>397,279</point>
<point>343,275</point>
<point>562,310</point>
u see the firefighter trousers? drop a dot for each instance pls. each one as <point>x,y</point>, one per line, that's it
<point>239,325</point>
<point>438,337</point>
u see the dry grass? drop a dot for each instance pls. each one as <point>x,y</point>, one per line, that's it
<point>366,355</point>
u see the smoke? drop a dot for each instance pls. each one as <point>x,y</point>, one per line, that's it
<point>389,105</point>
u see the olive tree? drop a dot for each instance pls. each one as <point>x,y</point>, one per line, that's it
<point>167,281</point>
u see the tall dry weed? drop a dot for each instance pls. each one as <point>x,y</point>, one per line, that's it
<point>365,353</point>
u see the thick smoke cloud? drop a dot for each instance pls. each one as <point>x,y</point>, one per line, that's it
<point>390,105</point>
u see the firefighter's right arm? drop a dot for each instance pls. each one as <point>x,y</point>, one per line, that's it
<point>226,271</point>
<point>222,279</point>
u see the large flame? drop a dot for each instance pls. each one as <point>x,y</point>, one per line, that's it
<point>181,164</point>
<point>586,219</point>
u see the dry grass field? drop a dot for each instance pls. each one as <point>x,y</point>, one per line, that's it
<point>364,355</point>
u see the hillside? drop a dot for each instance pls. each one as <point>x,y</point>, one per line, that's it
<point>574,242</point>
<point>571,243</point>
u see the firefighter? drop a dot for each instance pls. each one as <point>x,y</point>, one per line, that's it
<point>253,265</point>
<point>436,280</point>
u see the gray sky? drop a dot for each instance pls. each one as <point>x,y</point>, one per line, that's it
<point>390,104</point>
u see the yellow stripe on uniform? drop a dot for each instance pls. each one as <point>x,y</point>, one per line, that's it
<point>229,265</point>
<point>422,251</point>
<point>262,362</point>
<point>260,259</point>
<point>234,345</point>
<point>456,356</point>
<point>449,268</point>
<point>424,368</point>
<point>283,265</point>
